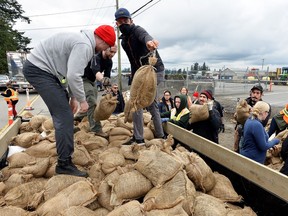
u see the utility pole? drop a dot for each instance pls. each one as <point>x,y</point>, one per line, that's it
<point>119,55</point>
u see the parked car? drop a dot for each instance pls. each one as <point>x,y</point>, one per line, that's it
<point>21,84</point>
<point>3,80</point>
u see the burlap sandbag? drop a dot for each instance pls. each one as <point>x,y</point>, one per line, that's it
<point>131,208</point>
<point>25,127</point>
<point>15,180</point>
<point>110,161</point>
<point>246,211</point>
<point>80,193</point>
<point>176,210</point>
<point>13,211</point>
<point>26,140</point>
<point>208,205</point>
<point>57,183</point>
<point>153,165</point>
<point>95,172</point>
<point>142,91</point>
<point>105,107</point>
<point>224,189</point>
<point>180,189</point>
<point>121,123</point>
<point>19,160</point>
<point>21,195</point>
<point>105,190</point>
<point>37,168</point>
<point>120,131</point>
<point>81,156</point>
<point>48,125</point>
<point>94,142</point>
<point>76,211</point>
<point>42,149</point>
<point>131,151</point>
<point>198,113</point>
<point>242,111</point>
<point>36,122</point>
<point>130,185</point>
<point>200,173</point>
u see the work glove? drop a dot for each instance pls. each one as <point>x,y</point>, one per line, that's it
<point>106,81</point>
<point>210,105</point>
<point>164,120</point>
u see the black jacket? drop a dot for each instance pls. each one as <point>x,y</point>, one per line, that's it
<point>208,128</point>
<point>134,45</point>
<point>121,104</point>
<point>163,107</point>
<point>98,64</point>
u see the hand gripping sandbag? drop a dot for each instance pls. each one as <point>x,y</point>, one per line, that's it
<point>198,113</point>
<point>105,107</point>
<point>143,89</point>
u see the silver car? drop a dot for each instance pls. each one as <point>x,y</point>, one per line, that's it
<point>3,80</point>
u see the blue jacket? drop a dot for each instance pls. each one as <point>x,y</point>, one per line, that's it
<point>256,142</point>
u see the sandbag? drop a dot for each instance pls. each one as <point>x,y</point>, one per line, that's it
<point>242,111</point>
<point>131,208</point>
<point>200,173</point>
<point>179,189</point>
<point>153,165</point>
<point>142,91</point>
<point>129,185</point>
<point>198,113</point>
<point>26,140</point>
<point>224,189</point>
<point>105,107</point>
<point>80,193</point>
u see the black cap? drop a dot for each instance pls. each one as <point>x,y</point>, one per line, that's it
<point>257,87</point>
<point>122,13</point>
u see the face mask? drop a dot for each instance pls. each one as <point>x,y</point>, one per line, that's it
<point>125,29</point>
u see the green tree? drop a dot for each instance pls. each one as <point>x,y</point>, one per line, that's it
<point>11,39</point>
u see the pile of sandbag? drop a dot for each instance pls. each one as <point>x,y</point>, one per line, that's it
<point>150,180</point>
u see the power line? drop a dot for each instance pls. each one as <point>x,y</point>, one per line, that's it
<point>67,12</point>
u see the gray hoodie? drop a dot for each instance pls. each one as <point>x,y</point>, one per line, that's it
<point>66,55</point>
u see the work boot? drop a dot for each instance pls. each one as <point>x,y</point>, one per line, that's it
<point>102,134</point>
<point>68,168</point>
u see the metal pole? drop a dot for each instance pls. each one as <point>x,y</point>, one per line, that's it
<point>119,55</point>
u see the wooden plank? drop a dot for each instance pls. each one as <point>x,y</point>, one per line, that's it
<point>265,177</point>
<point>7,134</point>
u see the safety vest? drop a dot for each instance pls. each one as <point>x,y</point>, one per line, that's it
<point>13,97</point>
<point>178,117</point>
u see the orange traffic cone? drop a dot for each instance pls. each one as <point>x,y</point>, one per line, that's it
<point>10,113</point>
<point>28,105</point>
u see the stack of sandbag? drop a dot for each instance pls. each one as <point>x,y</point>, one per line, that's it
<point>198,113</point>
<point>151,180</point>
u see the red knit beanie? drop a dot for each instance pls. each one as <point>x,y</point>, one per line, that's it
<point>207,94</point>
<point>106,33</point>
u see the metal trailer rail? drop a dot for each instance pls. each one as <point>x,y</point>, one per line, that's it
<point>263,188</point>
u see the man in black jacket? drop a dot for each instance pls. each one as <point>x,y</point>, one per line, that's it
<point>208,128</point>
<point>137,44</point>
<point>99,68</point>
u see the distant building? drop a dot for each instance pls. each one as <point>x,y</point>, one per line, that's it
<point>227,74</point>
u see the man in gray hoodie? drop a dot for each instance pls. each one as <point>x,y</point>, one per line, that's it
<point>55,68</point>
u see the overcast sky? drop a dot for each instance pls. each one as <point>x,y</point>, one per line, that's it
<point>221,33</point>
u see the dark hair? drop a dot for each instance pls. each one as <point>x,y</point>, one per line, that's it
<point>167,91</point>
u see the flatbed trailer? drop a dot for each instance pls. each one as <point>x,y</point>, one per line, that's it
<point>265,190</point>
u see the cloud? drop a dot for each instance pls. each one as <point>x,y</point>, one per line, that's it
<point>235,34</point>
